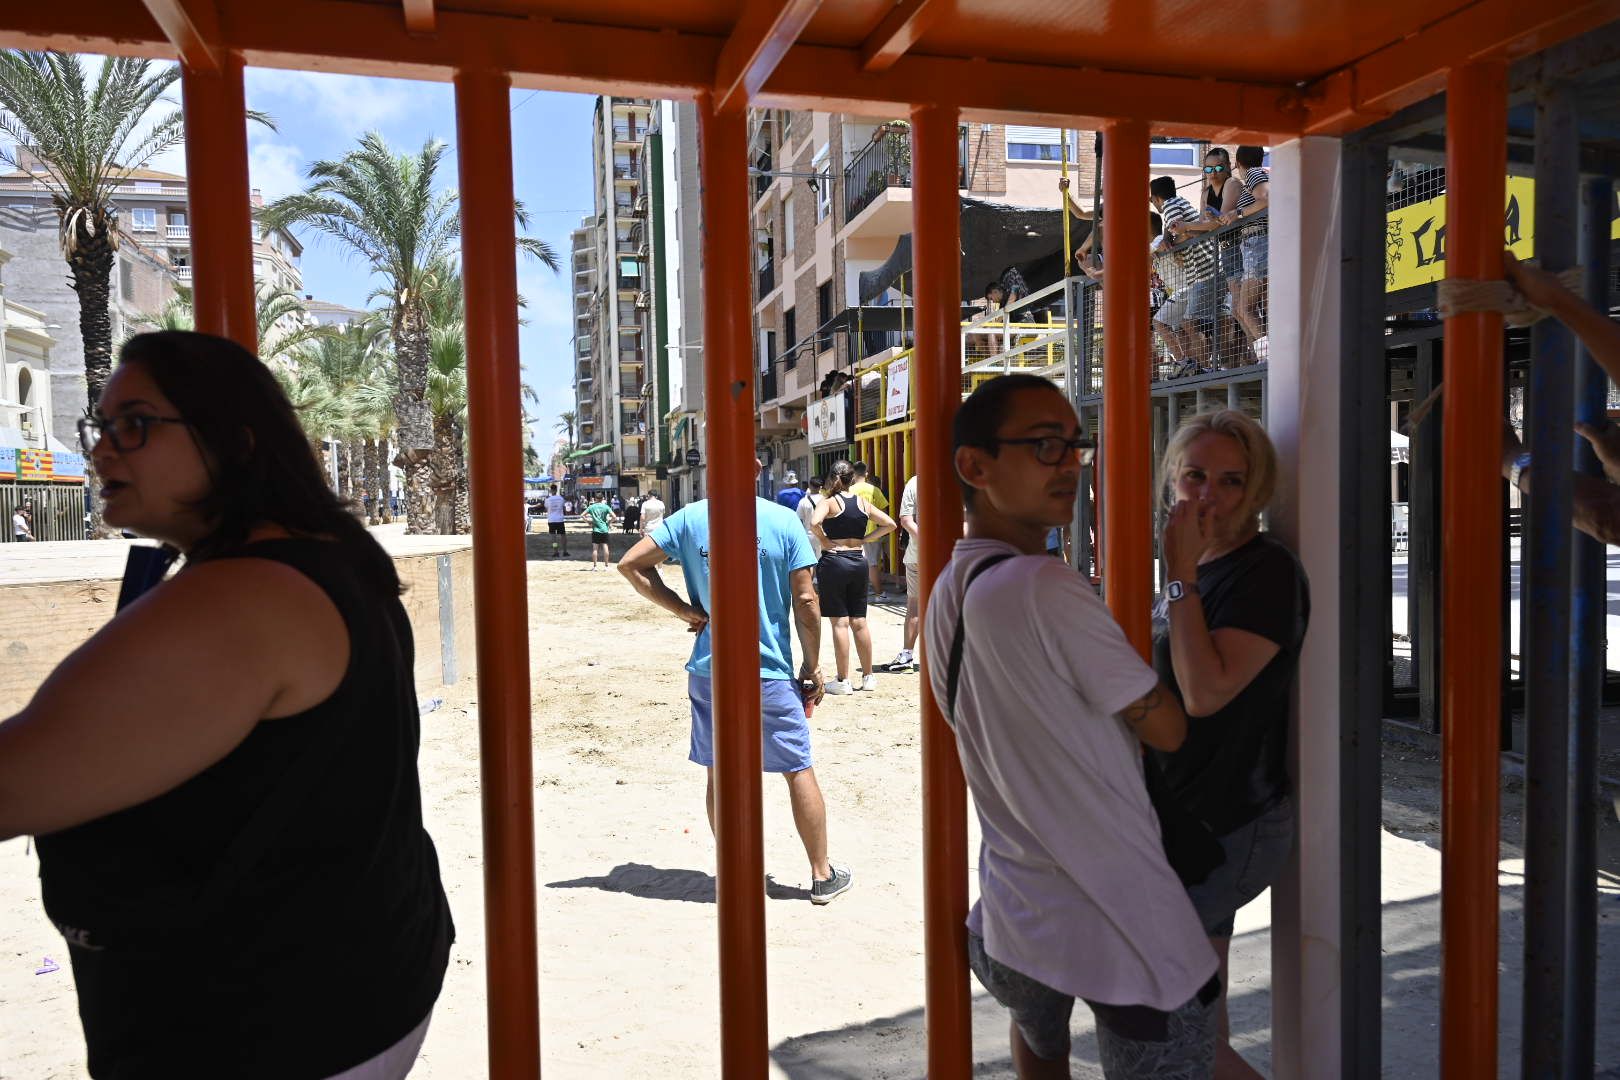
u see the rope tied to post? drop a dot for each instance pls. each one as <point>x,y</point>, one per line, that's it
<point>1458,296</point>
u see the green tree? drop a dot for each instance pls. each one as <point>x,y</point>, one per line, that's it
<point>383,207</point>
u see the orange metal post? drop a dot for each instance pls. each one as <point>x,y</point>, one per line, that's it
<point>1127,426</point>
<point>733,594</point>
<point>1470,689</point>
<point>217,194</point>
<point>936,373</point>
<point>500,592</point>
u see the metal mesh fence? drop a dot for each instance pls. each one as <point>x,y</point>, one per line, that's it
<point>54,512</point>
<point>1410,182</point>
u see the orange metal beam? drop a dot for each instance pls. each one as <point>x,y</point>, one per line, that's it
<point>763,35</point>
<point>192,26</point>
<point>420,18</point>
<point>369,39</point>
<point>1127,427</point>
<point>218,198</point>
<point>937,369</point>
<point>900,29</point>
<point>1470,688</point>
<point>1415,67</point>
<point>500,592</point>
<point>733,594</point>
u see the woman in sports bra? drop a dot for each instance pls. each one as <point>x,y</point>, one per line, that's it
<point>839,523</point>
<point>223,779</point>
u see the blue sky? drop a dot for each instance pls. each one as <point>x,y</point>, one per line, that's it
<point>322,116</point>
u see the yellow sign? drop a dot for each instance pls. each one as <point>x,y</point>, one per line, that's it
<point>33,465</point>
<point>1415,236</point>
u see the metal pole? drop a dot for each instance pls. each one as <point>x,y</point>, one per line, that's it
<point>219,200</point>
<point>1127,378</point>
<point>938,373</point>
<point>1545,596</point>
<point>1423,563</point>
<point>734,594</point>
<point>1476,165</point>
<point>500,598</point>
<point>1587,664</point>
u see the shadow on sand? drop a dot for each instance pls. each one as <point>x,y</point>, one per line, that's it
<point>655,883</point>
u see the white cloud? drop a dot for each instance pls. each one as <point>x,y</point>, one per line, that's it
<point>276,168</point>
<point>349,103</point>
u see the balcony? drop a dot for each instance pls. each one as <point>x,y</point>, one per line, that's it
<point>627,173</point>
<point>178,232</point>
<point>183,273</point>
<point>762,180</point>
<point>629,133</point>
<point>885,163</point>
<point>767,278</point>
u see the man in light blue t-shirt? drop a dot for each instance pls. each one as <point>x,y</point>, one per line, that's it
<point>787,600</point>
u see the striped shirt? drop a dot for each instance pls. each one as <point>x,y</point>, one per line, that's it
<point>1257,176</point>
<point>1197,260</point>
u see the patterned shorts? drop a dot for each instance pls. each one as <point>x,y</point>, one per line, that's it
<point>1135,1042</point>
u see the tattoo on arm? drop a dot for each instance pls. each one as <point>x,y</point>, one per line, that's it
<point>1137,711</point>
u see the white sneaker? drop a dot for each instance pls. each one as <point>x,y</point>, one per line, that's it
<point>869,682</point>
<point>904,661</point>
<point>839,686</point>
<point>1262,348</point>
<point>882,598</point>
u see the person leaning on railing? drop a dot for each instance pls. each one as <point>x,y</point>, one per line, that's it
<point>1596,502</point>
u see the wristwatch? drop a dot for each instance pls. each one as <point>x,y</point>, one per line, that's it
<point>1176,590</point>
<point>1521,465</point>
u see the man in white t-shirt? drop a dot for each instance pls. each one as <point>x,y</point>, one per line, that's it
<point>907,660</point>
<point>807,510</point>
<point>652,512</point>
<point>1051,707</point>
<point>557,521</point>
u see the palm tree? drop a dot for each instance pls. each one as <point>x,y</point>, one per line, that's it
<point>89,136</point>
<point>383,207</point>
<point>447,397</point>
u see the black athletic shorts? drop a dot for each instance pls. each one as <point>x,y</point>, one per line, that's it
<point>557,528</point>
<point>841,581</point>
<point>601,538</point>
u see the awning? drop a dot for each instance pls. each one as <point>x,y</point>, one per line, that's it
<point>588,451</point>
<point>680,429</point>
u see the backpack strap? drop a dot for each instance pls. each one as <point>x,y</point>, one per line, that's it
<point>954,671</point>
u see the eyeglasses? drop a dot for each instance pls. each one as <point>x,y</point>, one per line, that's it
<point>1214,168</point>
<point>126,433</point>
<point>1052,449</point>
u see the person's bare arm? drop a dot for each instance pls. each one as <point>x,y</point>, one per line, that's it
<point>1599,333</point>
<point>908,522</point>
<point>807,621</point>
<point>639,566</point>
<point>1157,719</point>
<point>1595,503</point>
<point>170,686</point>
<point>885,523</point>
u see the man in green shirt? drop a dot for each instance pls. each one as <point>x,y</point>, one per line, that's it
<point>866,489</point>
<point>600,515</point>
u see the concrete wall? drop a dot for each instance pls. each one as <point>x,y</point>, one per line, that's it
<point>37,276</point>
<point>41,623</point>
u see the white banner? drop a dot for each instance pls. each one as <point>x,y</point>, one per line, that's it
<point>898,400</point>
<point>828,421</point>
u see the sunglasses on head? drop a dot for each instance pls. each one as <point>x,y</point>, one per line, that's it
<point>1214,168</point>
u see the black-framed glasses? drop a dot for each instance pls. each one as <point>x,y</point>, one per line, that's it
<point>1052,449</point>
<point>126,433</point>
<point>1214,168</point>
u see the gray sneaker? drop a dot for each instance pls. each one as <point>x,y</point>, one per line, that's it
<point>826,890</point>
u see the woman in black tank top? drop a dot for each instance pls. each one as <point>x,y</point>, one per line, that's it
<point>223,779</point>
<point>840,523</point>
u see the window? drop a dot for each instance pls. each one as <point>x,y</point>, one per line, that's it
<point>789,233</point>
<point>126,279</point>
<point>823,182</point>
<point>790,336</point>
<point>824,314</point>
<point>177,217</point>
<point>1172,152</point>
<point>1034,143</point>
<point>143,219</point>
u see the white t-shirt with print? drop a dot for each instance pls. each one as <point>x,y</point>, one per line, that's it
<point>1075,890</point>
<point>556,511</point>
<point>652,512</point>
<point>908,508</point>
<point>807,510</point>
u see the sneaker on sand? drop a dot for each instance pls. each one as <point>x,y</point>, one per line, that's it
<point>826,890</point>
<point>903,662</point>
<point>838,686</point>
<point>869,682</point>
<point>881,598</point>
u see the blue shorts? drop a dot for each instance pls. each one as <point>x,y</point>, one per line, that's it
<point>786,731</point>
<point>1256,257</point>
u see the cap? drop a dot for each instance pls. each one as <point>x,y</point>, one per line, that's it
<point>791,477</point>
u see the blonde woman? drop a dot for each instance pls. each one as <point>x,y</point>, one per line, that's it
<point>1236,605</point>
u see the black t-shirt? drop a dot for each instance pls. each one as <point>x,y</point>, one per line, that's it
<point>1232,767</point>
<point>279,915</point>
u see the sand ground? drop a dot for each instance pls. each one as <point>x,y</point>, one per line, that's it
<point>625,887</point>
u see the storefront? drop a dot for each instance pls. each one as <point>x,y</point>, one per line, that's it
<point>50,486</point>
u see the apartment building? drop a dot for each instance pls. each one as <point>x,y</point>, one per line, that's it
<point>26,343</point>
<point>154,261</point>
<point>677,309</point>
<point>615,377</point>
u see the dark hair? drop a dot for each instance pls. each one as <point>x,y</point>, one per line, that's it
<point>814,481</point>
<point>840,477</point>
<point>554,489</point>
<point>858,466</point>
<point>1251,157</point>
<point>259,459</point>
<point>1163,187</point>
<point>983,413</point>
<point>994,285</point>
<point>1219,152</point>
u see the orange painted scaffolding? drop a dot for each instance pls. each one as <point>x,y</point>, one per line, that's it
<point>1317,70</point>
